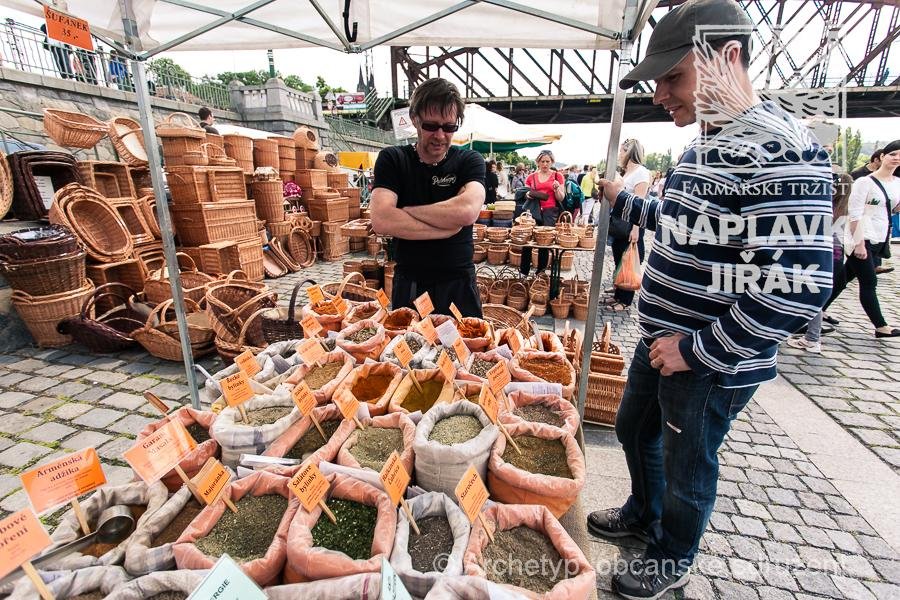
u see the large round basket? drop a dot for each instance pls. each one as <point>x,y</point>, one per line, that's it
<point>72,129</point>
<point>41,314</point>
<point>501,316</point>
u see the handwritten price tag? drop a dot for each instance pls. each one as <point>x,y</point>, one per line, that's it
<point>515,344</point>
<point>455,312</point>
<point>488,402</point>
<point>426,328</point>
<point>471,493</point>
<point>403,352</point>
<point>247,363</point>
<point>498,377</point>
<point>236,389</point>
<point>394,477</point>
<point>311,351</point>
<point>446,366</point>
<point>158,453</point>
<point>347,404</point>
<point>311,326</point>
<point>21,537</point>
<point>211,480</point>
<point>340,305</point>
<point>424,305</point>
<point>315,294</point>
<point>304,398</point>
<point>309,485</point>
<point>462,351</point>
<point>382,299</point>
<point>56,483</point>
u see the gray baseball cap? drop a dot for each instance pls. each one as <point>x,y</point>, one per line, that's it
<point>673,37</point>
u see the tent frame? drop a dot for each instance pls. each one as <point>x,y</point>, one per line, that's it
<point>635,15</point>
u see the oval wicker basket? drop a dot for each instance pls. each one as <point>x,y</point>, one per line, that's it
<point>567,240</point>
<point>158,286</point>
<point>180,125</point>
<point>41,314</point>
<point>128,139</point>
<point>544,236</point>
<point>497,254</point>
<point>502,316</point>
<point>307,138</point>
<point>300,247</point>
<point>497,235</point>
<point>72,129</point>
<point>94,221</point>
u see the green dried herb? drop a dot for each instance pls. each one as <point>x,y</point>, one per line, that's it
<point>318,376</point>
<point>455,429</point>
<point>353,532</point>
<point>524,558</point>
<point>374,445</point>
<point>545,457</point>
<point>480,367</point>
<point>265,416</point>
<point>358,337</point>
<point>247,535</point>
<point>312,440</point>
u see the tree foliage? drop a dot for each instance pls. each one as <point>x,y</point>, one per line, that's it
<point>324,89</point>
<point>657,161</point>
<point>847,149</point>
<point>512,158</point>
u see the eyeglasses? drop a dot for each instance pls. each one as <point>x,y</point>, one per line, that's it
<point>447,127</point>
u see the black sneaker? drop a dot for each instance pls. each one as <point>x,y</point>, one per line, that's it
<point>610,524</point>
<point>641,582</point>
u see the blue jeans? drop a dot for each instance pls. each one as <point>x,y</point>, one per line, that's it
<point>671,429</point>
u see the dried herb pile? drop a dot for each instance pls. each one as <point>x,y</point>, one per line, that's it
<point>247,535</point>
<point>371,387</point>
<point>435,540</point>
<point>198,432</point>
<point>480,367</point>
<point>540,413</point>
<point>544,457</point>
<point>353,532</point>
<point>520,547</point>
<point>318,376</point>
<point>312,440</point>
<point>364,334</point>
<point>455,429</point>
<point>176,526</point>
<point>548,370</point>
<point>425,399</point>
<point>374,445</point>
<point>265,416</point>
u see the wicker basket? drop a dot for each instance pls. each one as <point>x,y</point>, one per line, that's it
<point>38,243</point>
<point>300,247</point>
<point>71,129</point>
<point>46,277</point>
<point>180,135</point>
<point>6,186</point>
<point>497,291</point>
<point>94,221</point>
<point>560,307</point>
<point>517,296</point>
<point>544,236</point>
<point>209,222</point>
<point>110,179</point>
<point>338,180</point>
<point>567,261</point>
<point>230,302</point>
<point>304,158</point>
<point>110,332</point>
<point>147,206</point>
<point>348,290</point>
<point>306,138</point>
<point>216,157</point>
<point>567,240</point>
<point>280,324</point>
<point>280,229</point>
<point>538,310</point>
<point>133,216</point>
<point>158,287</point>
<point>287,160</point>
<point>515,255</point>
<point>501,317</point>
<point>42,314</point>
<point>604,394</point>
<point>580,307</point>
<point>316,179</point>
<point>252,327</point>
<point>196,185</point>
<point>240,148</point>
<point>480,253</point>
<point>162,340</point>
<point>479,232</point>
<point>496,254</point>
<point>589,239</point>
<point>265,153</point>
<point>128,272</point>
<point>326,160</point>
<point>269,200</point>
<point>329,210</point>
<point>252,260</point>
<point>497,235</point>
<point>128,139</point>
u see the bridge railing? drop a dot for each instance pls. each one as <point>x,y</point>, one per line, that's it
<point>359,130</point>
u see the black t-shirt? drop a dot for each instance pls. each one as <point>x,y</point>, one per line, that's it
<point>399,169</point>
<point>209,128</point>
<point>863,171</point>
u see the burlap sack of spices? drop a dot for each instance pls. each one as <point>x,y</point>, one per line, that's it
<point>399,321</point>
<point>547,364</point>
<point>465,373</point>
<point>364,586</point>
<point>153,584</point>
<point>581,580</point>
<point>478,334</point>
<point>264,571</point>
<point>399,403</point>
<point>466,587</point>
<point>374,384</point>
<point>565,409</point>
<point>512,485</point>
<point>328,452</point>
<point>66,584</point>
<point>235,438</point>
<point>323,393</point>
<point>391,421</point>
<point>146,499</point>
<point>432,504</point>
<point>276,358</point>
<point>439,467</point>
<point>140,555</point>
<point>368,348</point>
<point>306,562</point>
<point>371,311</point>
<point>424,352</point>
<point>193,462</point>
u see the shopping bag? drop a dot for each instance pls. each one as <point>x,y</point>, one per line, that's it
<point>628,275</point>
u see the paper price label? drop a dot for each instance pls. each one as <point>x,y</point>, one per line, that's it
<point>226,581</point>
<point>426,328</point>
<point>247,363</point>
<point>311,351</point>
<point>68,29</point>
<point>403,352</point>
<point>56,483</point>
<point>382,299</point>
<point>424,305</point>
<point>315,294</point>
<point>462,351</point>
<point>158,453</point>
<point>236,389</point>
<point>448,369</point>
<point>394,477</point>
<point>455,312</point>
<point>311,326</point>
<point>309,485</point>
<point>304,398</point>
<point>447,332</point>
<point>515,344</point>
<point>392,587</point>
<point>489,404</point>
<point>471,493</point>
<point>498,376</point>
<point>21,537</point>
<point>347,404</point>
<point>211,480</point>
<point>340,305</point>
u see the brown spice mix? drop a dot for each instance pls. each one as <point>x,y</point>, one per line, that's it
<point>544,457</point>
<point>319,376</point>
<point>371,387</point>
<point>548,370</point>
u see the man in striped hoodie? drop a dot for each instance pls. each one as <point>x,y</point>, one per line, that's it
<point>741,259</point>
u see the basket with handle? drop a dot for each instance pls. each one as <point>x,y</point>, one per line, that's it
<point>215,155</point>
<point>567,239</point>
<point>42,314</point>
<point>501,317</point>
<point>544,236</point>
<point>497,235</point>
<point>496,254</point>
<point>158,287</point>
<point>606,358</point>
<point>564,222</point>
<point>109,332</point>
<point>478,232</point>
<point>163,342</point>
<point>128,139</point>
<point>517,296</point>
<point>560,307</point>
<point>580,307</point>
<point>589,239</point>
<point>479,253</point>
<point>280,324</point>
<point>230,350</point>
<point>604,395</point>
<point>497,291</point>
<point>200,331</point>
<point>180,135</point>
<point>72,129</point>
<point>229,302</point>
<point>539,290</point>
<point>515,255</point>
<point>352,287</point>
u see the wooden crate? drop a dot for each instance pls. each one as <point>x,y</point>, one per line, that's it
<point>250,255</point>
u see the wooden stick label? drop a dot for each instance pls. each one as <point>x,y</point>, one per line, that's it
<point>462,351</point>
<point>236,389</point>
<point>309,485</point>
<point>211,480</point>
<point>247,363</point>
<point>347,404</point>
<point>498,377</point>
<point>21,537</point>
<point>311,351</point>
<point>304,398</point>
<point>455,312</point>
<point>489,404</point>
<point>515,344</point>
<point>424,305</point>
<point>471,493</point>
<point>56,483</point>
<point>340,305</point>
<point>382,299</point>
<point>154,401</point>
<point>315,294</point>
<point>311,326</point>
<point>426,328</point>
<point>394,478</point>
<point>403,352</point>
<point>448,369</point>
<point>158,453</point>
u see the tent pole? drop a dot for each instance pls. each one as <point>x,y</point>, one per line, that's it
<point>162,207</point>
<point>618,114</point>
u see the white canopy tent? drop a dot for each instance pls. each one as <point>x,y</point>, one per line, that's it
<point>482,125</point>
<point>144,28</point>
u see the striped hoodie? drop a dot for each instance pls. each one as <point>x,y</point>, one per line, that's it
<point>742,255</point>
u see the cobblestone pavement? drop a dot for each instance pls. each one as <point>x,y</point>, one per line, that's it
<point>780,528</point>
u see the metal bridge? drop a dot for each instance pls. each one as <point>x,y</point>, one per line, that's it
<point>799,47</point>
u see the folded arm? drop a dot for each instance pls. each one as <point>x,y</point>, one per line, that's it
<point>387,219</point>
<point>459,211</point>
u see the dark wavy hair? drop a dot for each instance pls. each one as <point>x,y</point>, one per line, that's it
<point>438,94</point>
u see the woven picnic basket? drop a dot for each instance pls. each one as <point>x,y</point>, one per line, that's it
<point>181,138</point>
<point>158,337</point>
<point>110,331</point>
<point>72,129</point>
<point>230,302</point>
<point>158,287</point>
<point>280,324</point>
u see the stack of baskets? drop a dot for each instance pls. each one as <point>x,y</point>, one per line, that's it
<point>45,266</point>
<point>605,382</point>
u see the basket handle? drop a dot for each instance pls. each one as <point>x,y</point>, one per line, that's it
<point>184,118</point>
<point>163,307</point>
<point>219,151</point>
<point>257,297</point>
<point>102,291</point>
<point>346,280</point>
<point>565,218</point>
<point>242,338</point>
<point>293,303</point>
<point>607,334</point>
